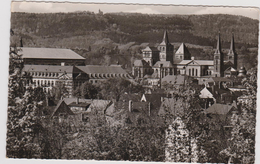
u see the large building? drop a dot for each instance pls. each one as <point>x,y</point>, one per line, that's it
<point>50,56</point>
<point>161,61</point>
<point>48,76</point>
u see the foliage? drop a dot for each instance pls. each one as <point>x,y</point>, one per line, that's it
<point>114,88</point>
<point>59,91</point>
<point>87,90</point>
<point>241,144</point>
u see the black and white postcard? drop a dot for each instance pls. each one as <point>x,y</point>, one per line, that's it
<point>132,82</point>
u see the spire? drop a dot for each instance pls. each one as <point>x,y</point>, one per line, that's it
<point>218,50</point>
<point>232,45</point>
<point>165,38</point>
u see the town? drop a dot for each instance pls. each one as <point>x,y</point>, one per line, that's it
<point>168,106</point>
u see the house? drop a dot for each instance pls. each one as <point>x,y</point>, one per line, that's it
<point>220,115</point>
<point>50,56</point>
<point>61,111</point>
<point>175,80</point>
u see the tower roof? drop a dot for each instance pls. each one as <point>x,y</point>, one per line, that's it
<point>165,40</point>
<point>182,50</point>
<point>232,45</point>
<point>218,50</point>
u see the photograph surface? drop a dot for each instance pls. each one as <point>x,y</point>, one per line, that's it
<point>132,82</point>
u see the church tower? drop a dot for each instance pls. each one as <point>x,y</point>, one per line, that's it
<point>166,49</point>
<point>232,55</point>
<point>218,59</point>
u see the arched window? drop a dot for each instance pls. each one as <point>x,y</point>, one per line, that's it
<point>192,71</point>
<point>189,72</point>
<point>196,72</point>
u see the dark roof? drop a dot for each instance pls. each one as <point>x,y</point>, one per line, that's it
<point>51,68</point>
<point>114,69</point>
<point>49,53</point>
<point>154,99</point>
<point>149,48</point>
<point>171,106</point>
<point>74,104</point>
<point>164,63</point>
<point>174,79</point>
<point>221,79</point>
<point>61,107</point>
<point>221,109</point>
<point>140,63</point>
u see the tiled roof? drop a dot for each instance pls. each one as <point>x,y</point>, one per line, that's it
<point>72,100</point>
<point>61,107</point>
<point>221,79</point>
<point>49,53</point>
<point>117,69</point>
<point>164,63</point>
<point>50,68</point>
<point>140,63</point>
<point>221,109</point>
<point>174,79</point>
<point>199,62</point>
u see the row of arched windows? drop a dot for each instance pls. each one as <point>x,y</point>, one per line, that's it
<point>107,75</point>
<point>44,74</point>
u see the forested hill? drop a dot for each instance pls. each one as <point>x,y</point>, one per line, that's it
<point>111,34</point>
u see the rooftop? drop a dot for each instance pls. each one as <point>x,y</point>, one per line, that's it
<point>117,69</point>
<point>49,53</point>
<point>50,68</point>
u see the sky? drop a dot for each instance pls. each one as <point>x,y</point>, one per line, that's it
<point>48,7</point>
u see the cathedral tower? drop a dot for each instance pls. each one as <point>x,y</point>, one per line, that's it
<point>166,49</point>
<point>232,55</point>
<point>218,60</point>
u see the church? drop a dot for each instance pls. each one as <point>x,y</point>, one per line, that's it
<point>161,61</point>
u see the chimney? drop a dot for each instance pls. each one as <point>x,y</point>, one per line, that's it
<point>192,58</point>
<point>130,105</point>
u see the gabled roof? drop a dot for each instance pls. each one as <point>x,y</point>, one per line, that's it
<point>49,53</point>
<point>51,68</point>
<point>174,79</point>
<point>149,48</point>
<point>183,50</point>
<point>140,63</point>
<point>221,109</point>
<point>164,63</point>
<point>199,62</point>
<point>231,69</point>
<point>61,107</point>
<point>228,63</point>
<point>100,105</point>
<point>89,69</point>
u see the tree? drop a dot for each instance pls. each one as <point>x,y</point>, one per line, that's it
<point>113,88</point>
<point>89,91</point>
<point>23,119</point>
<point>241,144</point>
<point>59,91</point>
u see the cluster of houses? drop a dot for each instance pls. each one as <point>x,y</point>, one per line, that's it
<point>161,68</point>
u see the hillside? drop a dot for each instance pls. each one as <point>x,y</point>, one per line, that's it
<point>108,38</point>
